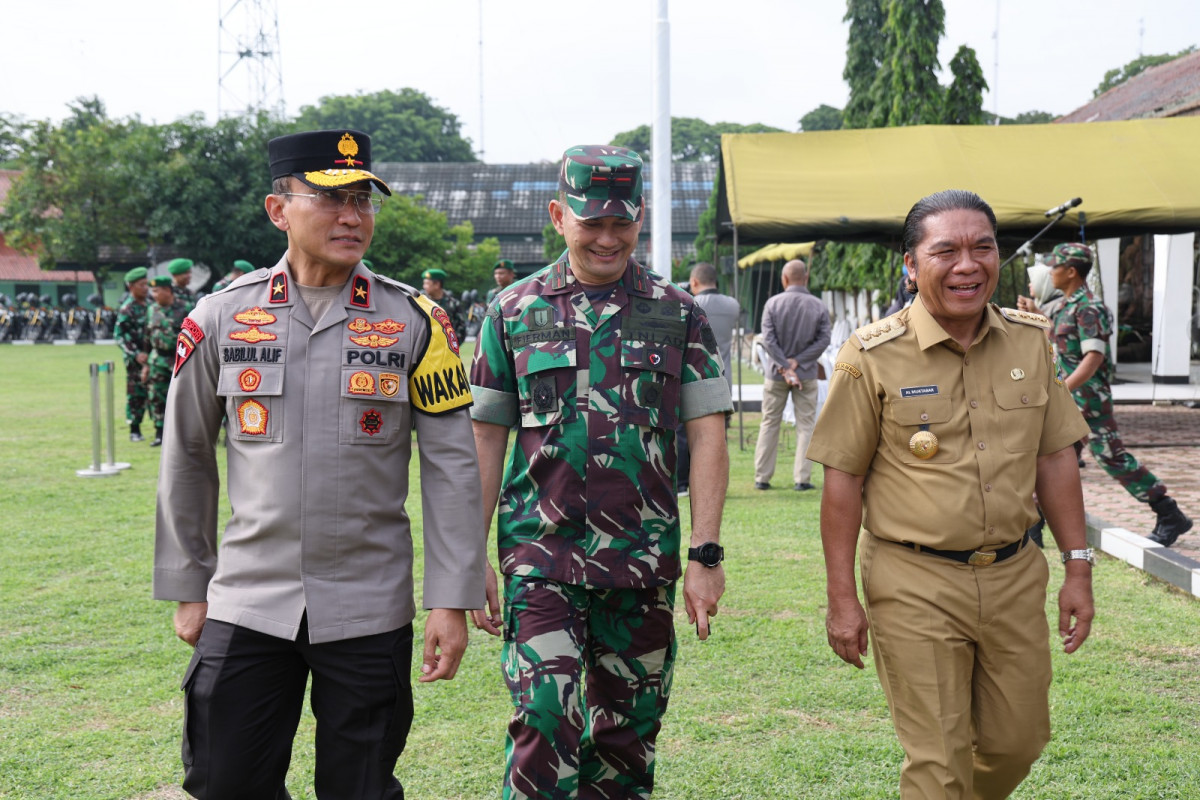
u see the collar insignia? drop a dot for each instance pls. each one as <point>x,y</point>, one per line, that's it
<point>279,288</point>
<point>360,292</point>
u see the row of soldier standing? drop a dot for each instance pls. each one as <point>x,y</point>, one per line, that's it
<point>321,372</point>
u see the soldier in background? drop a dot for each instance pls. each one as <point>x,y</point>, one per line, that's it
<point>588,524</point>
<point>1082,326</point>
<point>240,268</point>
<point>181,275</point>
<point>504,275</point>
<point>433,286</point>
<point>130,335</point>
<point>162,330</point>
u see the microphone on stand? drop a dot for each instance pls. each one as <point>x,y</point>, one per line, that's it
<point>1065,207</point>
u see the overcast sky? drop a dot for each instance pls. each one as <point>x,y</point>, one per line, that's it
<point>554,72</point>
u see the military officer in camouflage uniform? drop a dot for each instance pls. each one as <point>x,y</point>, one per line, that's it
<point>130,335</point>
<point>240,268</point>
<point>181,276</point>
<point>593,360</point>
<point>162,328</point>
<point>504,275</point>
<point>1082,327</point>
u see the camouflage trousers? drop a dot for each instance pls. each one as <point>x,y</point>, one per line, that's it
<point>159,382</point>
<point>136,393</point>
<point>590,672</point>
<point>1105,444</point>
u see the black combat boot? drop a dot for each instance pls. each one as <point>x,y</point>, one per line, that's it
<point>135,433</point>
<point>1171,521</point>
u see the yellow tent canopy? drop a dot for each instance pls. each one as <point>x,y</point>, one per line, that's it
<point>1135,176</point>
<point>777,252</point>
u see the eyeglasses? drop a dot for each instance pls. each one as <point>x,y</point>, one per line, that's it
<point>333,201</point>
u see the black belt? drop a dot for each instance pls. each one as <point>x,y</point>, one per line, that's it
<point>976,558</point>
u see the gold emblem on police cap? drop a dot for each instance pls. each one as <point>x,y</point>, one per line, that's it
<point>1017,373</point>
<point>923,444</point>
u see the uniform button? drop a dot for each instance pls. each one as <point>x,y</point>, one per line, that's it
<point>967,361</point>
<point>991,529</point>
<point>1024,399</point>
<point>982,446</point>
<point>924,418</point>
<point>974,404</point>
<point>987,487</point>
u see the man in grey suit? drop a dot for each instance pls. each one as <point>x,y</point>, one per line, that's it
<point>722,312</point>
<point>321,371</point>
<point>795,331</point>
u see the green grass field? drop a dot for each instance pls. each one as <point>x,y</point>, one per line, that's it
<point>89,667</point>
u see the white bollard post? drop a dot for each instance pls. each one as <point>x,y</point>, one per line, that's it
<point>109,368</point>
<point>96,470</point>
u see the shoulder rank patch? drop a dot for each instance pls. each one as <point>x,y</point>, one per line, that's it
<point>1026,318</point>
<point>879,332</point>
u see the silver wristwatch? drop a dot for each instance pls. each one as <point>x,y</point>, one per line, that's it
<point>1087,555</point>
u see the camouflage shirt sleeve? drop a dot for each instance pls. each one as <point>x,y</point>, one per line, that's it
<point>1094,329</point>
<point>705,389</point>
<point>493,380</point>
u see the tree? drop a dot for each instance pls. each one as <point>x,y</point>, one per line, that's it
<point>822,118</point>
<point>403,126</point>
<point>1115,77</point>
<point>964,99</point>
<point>410,238</point>
<point>906,89</point>
<point>691,139</point>
<point>553,243</point>
<point>208,188</point>
<point>81,187</point>
<point>13,130</point>
<point>863,52</point>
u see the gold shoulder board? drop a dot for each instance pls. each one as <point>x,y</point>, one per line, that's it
<point>879,332</point>
<point>1026,318</point>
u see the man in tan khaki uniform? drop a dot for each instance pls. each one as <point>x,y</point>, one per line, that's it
<point>941,421</point>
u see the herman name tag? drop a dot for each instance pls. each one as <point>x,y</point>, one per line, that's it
<point>918,391</point>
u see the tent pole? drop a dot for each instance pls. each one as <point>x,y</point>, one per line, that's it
<point>741,427</point>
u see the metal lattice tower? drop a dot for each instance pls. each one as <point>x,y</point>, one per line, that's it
<point>250,75</point>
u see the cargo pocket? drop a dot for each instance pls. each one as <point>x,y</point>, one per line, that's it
<point>396,734</point>
<point>1022,409</point>
<point>254,404</point>
<point>545,373</point>
<point>650,389</point>
<point>189,678</point>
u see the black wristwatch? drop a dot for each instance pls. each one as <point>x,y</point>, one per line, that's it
<point>709,554</point>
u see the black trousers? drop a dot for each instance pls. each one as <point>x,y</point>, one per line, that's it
<point>244,694</point>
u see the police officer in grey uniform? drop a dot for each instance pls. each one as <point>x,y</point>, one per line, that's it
<point>322,370</point>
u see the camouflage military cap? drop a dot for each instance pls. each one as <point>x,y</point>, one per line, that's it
<point>161,281</point>
<point>435,275</point>
<point>602,181</point>
<point>134,275</point>
<point>1070,254</point>
<point>179,266</point>
<point>504,263</point>
<point>243,266</point>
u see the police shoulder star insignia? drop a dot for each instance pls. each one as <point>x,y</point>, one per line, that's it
<point>1025,318</point>
<point>879,332</point>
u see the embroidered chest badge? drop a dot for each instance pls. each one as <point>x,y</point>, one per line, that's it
<point>371,422</point>
<point>252,418</point>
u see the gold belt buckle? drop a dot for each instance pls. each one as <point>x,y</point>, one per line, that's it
<point>981,559</point>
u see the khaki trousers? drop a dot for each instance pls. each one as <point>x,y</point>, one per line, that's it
<point>804,401</point>
<point>963,656</point>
